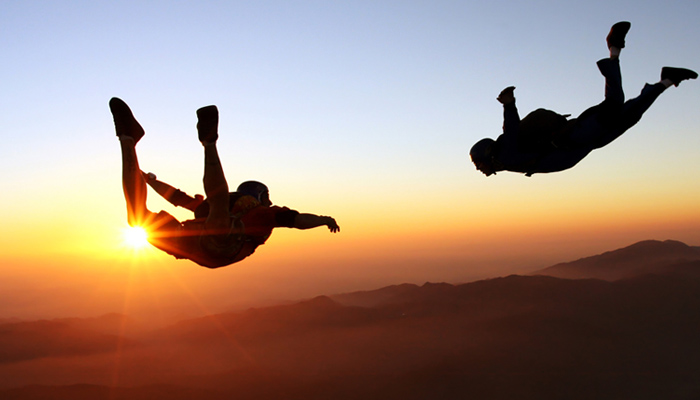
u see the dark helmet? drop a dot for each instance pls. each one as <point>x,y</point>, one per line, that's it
<point>482,151</point>
<point>255,189</point>
<point>482,156</point>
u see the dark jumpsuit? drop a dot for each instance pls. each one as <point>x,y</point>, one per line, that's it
<point>594,128</point>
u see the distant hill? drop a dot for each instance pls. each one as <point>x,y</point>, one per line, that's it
<point>371,298</point>
<point>641,258</point>
<point>526,337</point>
<point>396,294</point>
<point>28,340</point>
<point>646,257</point>
<point>9,320</point>
<point>259,323</point>
<point>111,324</point>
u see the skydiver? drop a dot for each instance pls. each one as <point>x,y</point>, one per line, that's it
<point>545,141</point>
<point>227,227</point>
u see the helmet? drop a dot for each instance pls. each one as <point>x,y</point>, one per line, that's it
<point>482,151</point>
<point>255,189</point>
<point>482,156</point>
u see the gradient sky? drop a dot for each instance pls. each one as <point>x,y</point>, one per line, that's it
<point>363,110</point>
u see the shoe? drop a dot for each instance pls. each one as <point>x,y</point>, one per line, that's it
<point>676,75</point>
<point>124,122</point>
<point>208,124</point>
<point>616,37</point>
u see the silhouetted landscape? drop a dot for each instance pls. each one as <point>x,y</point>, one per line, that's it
<point>620,325</point>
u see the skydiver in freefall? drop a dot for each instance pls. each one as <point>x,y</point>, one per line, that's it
<point>227,227</point>
<point>545,141</point>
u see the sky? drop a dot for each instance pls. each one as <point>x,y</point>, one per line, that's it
<point>362,110</point>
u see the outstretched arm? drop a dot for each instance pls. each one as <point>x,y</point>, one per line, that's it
<point>171,194</point>
<point>308,221</point>
<point>511,119</point>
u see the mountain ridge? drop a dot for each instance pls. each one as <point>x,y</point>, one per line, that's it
<point>648,256</point>
<point>518,336</point>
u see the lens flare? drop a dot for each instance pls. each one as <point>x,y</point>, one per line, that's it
<point>135,237</point>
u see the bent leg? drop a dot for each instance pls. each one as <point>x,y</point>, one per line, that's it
<point>634,108</point>
<point>632,112</point>
<point>215,185</point>
<point>216,188</point>
<point>595,124</point>
<point>129,132</point>
<point>614,95</point>
<point>133,184</point>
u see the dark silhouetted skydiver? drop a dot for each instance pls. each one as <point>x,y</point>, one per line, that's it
<point>545,141</point>
<point>227,227</point>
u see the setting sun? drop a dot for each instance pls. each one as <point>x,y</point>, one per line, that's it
<point>135,237</point>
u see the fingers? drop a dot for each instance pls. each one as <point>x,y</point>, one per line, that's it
<point>332,225</point>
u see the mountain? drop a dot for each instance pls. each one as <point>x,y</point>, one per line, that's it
<point>28,340</point>
<point>646,257</point>
<point>371,298</point>
<point>255,324</point>
<point>525,337</point>
<point>641,258</point>
<point>110,324</point>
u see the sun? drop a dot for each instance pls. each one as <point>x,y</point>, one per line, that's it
<point>135,237</point>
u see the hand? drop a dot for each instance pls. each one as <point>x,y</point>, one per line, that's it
<point>332,225</point>
<point>506,96</point>
<point>150,176</point>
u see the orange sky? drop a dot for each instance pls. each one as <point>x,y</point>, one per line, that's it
<point>364,113</point>
<point>84,268</point>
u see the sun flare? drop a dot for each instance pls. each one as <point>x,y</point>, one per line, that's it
<point>135,237</point>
